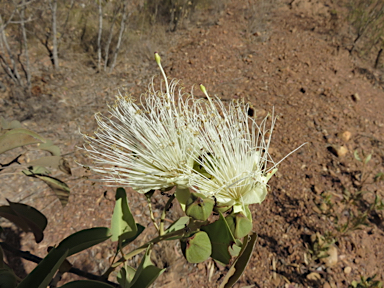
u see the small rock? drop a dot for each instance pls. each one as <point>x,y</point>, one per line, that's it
<point>326,285</point>
<point>331,260</point>
<point>347,270</point>
<point>345,136</point>
<point>356,97</point>
<point>313,276</point>
<point>339,151</point>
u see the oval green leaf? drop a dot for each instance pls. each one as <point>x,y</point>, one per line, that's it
<point>18,138</point>
<point>221,238</point>
<point>8,213</point>
<point>84,239</point>
<point>34,219</point>
<point>197,248</point>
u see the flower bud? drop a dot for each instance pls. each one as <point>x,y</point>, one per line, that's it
<point>199,207</point>
<point>239,224</point>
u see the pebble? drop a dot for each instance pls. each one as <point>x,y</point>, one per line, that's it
<point>326,285</point>
<point>339,151</point>
<point>345,136</point>
<point>347,270</point>
<point>313,276</point>
<point>356,97</point>
<point>331,260</point>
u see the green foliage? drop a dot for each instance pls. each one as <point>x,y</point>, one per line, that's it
<point>147,273</point>
<point>86,284</point>
<point>44,272</point>
<point>197,247</point>
<point>320,245</point>
<point>238,267</point>
<point>369,282</point>
<point>13,136</point>
<point>25,217</point>
<point>84,239</point>
<point>199,207</point>
<point>221,238</point>
<point>123,225</point>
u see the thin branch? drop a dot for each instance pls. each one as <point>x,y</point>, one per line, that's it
<point>99,35</point>
<point>33,258</point>
<point>106,51</point>
<point>122,28</point>
<point>12,71</point>
<point>55,58</point>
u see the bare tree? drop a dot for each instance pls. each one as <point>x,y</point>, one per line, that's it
<point>25,42</point>
<point>122,28</point>
<point>10,69</point>
<point>55,58</point>
<point>99,35</point>
<point>107,45</point>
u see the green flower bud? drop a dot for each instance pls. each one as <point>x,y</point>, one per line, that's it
<point>239,224</point>
<point>199,207</point>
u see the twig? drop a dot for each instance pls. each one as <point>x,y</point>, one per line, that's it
<point>148,196</point>
<point>167,205</point>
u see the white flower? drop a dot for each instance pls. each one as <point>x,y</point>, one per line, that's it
<point>232,165</point>
<point>146,146</point>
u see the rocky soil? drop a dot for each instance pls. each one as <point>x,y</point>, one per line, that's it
<point>283,57</point>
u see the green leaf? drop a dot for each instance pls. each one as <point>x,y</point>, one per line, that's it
<point>356,154</point>
<point>147,273</point>
<point>44,272</point>
<point>7,278</point>
<point>48,146</point>
<point>140,229</point>
<point>4,124</point>
<point>179,224</point>
<point>8,213</point>
<point>17,138</point>
<point>84,239</point>
<point>125,275</point>
<point>379,177</point>
<point>46,161</point>
<point>221,238</point>
<point>34,219</point>
<point>197,248</point>
<point>368,158</point>
<point>60,189</point>
<point>123,224</point>
<point>241,262</point>
<point>86,284</point>
<point>31,171</point>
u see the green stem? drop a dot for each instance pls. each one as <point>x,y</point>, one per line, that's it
<point>167,205</point>
<point>142,248</point>
<point>151,213</point>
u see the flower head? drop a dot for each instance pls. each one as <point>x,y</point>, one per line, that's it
<point>146,146</point>
<point>232,164</point>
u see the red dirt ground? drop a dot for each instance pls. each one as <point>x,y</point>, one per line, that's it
<point>282,57</point>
